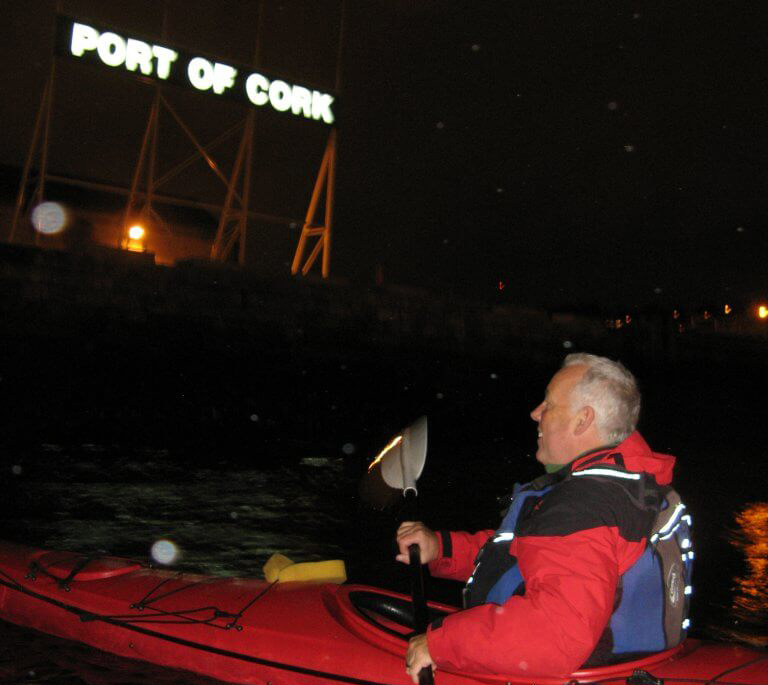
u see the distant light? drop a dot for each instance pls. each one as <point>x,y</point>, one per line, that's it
<point>476,47</point>
<point>136,232</point>
<point>440,125</point>
<point>628,319</point>
<point>706,314</point>
<point>740,229</point>
<point>134,240</point>
<point>675,314</point>
<point>727,309</point>
<point>762,311</point>
<point>164,552</point>
<point>49,218</point>
<point>502,285</point>
<point>629,148</point>
<point>613,105</point>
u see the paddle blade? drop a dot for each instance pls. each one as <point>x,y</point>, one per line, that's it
<point>402,461</point>
<point>396,468</point>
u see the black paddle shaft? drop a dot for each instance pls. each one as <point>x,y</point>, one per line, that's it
<point>420,615</point>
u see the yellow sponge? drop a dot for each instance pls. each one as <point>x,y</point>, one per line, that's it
<point>276,563</point>
<point>280,569</point>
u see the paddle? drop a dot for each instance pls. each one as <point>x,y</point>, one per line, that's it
<point>402,462</point>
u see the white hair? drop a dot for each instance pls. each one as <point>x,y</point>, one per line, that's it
<point>611,390</point>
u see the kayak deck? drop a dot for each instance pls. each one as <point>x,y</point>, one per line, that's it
<point>250,631</point>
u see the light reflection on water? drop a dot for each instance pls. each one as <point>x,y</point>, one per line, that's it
<point>749,606</point>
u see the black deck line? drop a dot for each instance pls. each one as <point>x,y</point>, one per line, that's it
<point>90,616</point>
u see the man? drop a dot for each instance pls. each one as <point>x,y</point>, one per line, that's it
<point>570,577</point>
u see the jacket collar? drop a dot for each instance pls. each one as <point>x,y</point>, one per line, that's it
<point>633,454</point>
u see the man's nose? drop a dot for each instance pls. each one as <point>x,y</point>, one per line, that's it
<point>536,413</point>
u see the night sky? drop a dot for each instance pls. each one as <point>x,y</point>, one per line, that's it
<point>603,154</point>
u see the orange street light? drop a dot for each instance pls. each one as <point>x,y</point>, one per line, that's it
<point>134,242</point>
<point>136,232</point>
<point>762,312</point>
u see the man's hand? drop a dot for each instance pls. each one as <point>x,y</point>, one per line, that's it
<point>417,657</point>
<point>411,532</point>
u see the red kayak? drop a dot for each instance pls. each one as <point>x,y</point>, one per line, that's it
<point>299,632</point>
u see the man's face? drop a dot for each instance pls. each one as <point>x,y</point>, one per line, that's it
<point>557,421</point>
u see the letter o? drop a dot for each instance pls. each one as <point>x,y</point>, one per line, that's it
<point>280,96</point>
<point>111,49</point>
<point>200,73</point>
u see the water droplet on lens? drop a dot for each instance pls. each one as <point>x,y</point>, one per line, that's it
<point>254,417</point>
<point>567,344</point>
<point>348,448</point>
<point>16,470</point>
<point>164,552</point>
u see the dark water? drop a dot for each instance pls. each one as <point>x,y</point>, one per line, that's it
<point>228,512</point>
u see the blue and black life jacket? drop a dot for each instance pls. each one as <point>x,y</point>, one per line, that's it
<point>653,595</point>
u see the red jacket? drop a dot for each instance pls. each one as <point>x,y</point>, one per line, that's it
<point>571,554</point>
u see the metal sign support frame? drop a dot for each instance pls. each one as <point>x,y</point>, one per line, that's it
<point>233,222</point>
<point>326,179</point>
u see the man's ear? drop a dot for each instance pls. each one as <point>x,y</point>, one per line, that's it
<point>584,419</point>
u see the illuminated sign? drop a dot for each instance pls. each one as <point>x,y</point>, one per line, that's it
<point>98,45</point>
